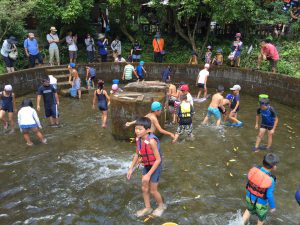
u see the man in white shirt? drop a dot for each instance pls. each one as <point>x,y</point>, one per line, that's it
<point>202,80</point>
<point>71,41</point>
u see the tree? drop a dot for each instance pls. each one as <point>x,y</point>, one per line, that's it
<point>12,15</point>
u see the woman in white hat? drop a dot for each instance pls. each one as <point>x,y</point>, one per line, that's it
<point>9,46</point>
<point>8,105</point>
<point>53,39</point>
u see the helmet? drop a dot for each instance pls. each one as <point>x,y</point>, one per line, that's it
<point>114,87</point>
<point>155,106</point>
<point>142,63</point>
<point>229,96</point>
<point>184,87</point>
<point>72,65</point>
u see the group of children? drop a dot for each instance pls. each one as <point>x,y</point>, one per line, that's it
<point>209,59</point>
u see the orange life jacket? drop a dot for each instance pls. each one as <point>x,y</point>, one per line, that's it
<point>259,182</point>
<point>144,149</point>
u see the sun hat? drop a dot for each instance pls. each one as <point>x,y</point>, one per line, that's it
<point>142,63</point>
<point>12,40</point>
<point>184,87</point>
<point>31,35</point>
<point>72,65</point>
<point>155,106</point>
<point>238,35</point>
<point>229,96</point>
<point>209,47</point>
<point>206,65</point>
<point>236,88</point>
<point>8,87</point>
<point>114,87</point>
<point>219,50</point>
<point>53,29</point>
<point>101,36</point>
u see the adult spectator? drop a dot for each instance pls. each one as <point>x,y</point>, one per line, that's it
<point>8,46</point>
<point>166,74</point>
<point>90,48</point>
<point>32,50</point>
<point>102,47</point>
<point>116,47</point>
<point>236,48</point>
<point>135,51</point>
<point>128,72</point>
<point>72,47</point>
<point>53,39</point>
<point>158,44</point>
<point>268,52</point>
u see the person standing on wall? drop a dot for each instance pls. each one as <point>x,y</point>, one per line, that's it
<point>136,51</point>
<point>158,44</point>
<point>116,47</point>
<point>235,55</point>
<point>90,48</point>
<point>8,47</point>
<point>72,47</point>
<point>32,50</point>
<point>102,47</point>
<point>53,39</point>
<point>268,52</point>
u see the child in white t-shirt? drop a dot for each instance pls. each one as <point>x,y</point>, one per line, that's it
<point>202,80</point>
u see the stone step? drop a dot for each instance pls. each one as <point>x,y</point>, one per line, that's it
<point>62,78</point>
<point>57,71</point>
<point>63,85</point>
<point>66,93</point>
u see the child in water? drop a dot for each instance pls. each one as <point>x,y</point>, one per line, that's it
<point>148,153</point>
<point>101,96</point>
<point>90,76</point>
<point>218,59</point>
<point>269,121</point>
<point>260,190</point>
<point>28,120</point>
<point>216,103</point>
<point>141,72</point>
<point>208,55</point>
<point>226,102</point>
<point>185,114</point>
<point>235,106</point>
<point>8,105</point>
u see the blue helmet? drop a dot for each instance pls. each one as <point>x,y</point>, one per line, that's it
<point>155,106</point>
<point>142,63</point>
<point>229,96</point>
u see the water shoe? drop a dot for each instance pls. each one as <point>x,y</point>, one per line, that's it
<point>159,210</point>
<point>144,212</point>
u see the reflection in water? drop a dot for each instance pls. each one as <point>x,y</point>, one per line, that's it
<point>80,176</point>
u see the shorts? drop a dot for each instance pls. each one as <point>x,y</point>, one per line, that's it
<point>8,108</point>
<point>185,128</point>
<point>263,126</point>
<point>51,111</point>
<point>77,83</point>
<point>273,62</point>
<point>92,78</point>
<point>155,176</point>
<point>8,61</point>
<point>257,209</point>
<point>134,57</point>
<point>102,106</point>
<point>32,59</point>
<point>214,112</point>
<point>200,85</point>
<point>73,54</point>
<point>24,127</point>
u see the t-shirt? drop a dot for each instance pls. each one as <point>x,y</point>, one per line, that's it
<point>267,116</point>
<point>136,46</point>
<point>202,75</point>
<point>270,51</point>
<point>102,48</point>
<point>48,93</point>
<point>128,70</point>
<point>72,45</point>
<point>51,37</point>
<point>32,46</point>
<point>139,70</point>
<point>236,98</point>
<point>190,99</point>
<point>165,74</point>
<point>92,72</point>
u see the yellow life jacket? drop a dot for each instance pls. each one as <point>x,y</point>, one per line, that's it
<point>185,110</point>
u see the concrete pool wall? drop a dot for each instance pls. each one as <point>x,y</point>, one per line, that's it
<point>281,88</point>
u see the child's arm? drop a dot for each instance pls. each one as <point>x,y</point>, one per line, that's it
<point>158,127</point>
<point>123,75</point>
<point>36,118</point>
<point>38,100</point>
<point>153,144</point>
<point>107,97</point>
<point>14,102</point>
<point>134,161</point>
<point>257,118</point>
<point>128,124</point>
<point>275,124</point>
<point>144,70</point>
<point>236,106</point>
<point>87,74</point>
<point>135,73</point>
<point>57,98</point>
<point>270,197</point>
<point>94,99</point>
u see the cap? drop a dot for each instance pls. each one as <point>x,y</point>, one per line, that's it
<point>155,106</point>
<point>114,87</point>
<point>8,87</point>
<point>238,35</point>
<point>229,96</point>
<point>209,47</point>
<point>72,65</point>
<point>206,65</point>
<point>264,101</point>
<point>101,36</point>
<point>236,88</point>
<point>219,50</point>
<point>31,35</point>
<point>142,63</point>
<point>53,29</point>
<point>184,87</point>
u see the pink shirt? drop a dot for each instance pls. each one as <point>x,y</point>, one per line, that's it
<point>270,51</point>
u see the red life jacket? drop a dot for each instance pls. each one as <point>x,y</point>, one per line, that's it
<point>144,149</point>
<point>259,182</point>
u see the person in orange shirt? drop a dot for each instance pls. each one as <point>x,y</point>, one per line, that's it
<point>158,44</point>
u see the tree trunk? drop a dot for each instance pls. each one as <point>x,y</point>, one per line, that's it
<point>206,37</point>
<point>123,22</point>
<point>125,31</point>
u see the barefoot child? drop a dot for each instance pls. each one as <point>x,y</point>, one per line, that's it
<point>101,96</point>
<point>235,106</point>
<point>8,105</point>
<point>226,102</point>
<point>74,79</point>
<point>269,121</point>
<point>260,188</point>
<point>149,154</point>
<point>90,76</point>
<point>185,114</point>
<point>140,70</point>
<point>29,121</point>
<point>202,80</point>
<point>208,55</point>
<point>218,59</point>
<point>216,103</point>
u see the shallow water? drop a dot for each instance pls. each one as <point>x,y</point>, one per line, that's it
<point>80,176</point>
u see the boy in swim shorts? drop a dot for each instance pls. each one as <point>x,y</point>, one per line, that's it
<point>213,109</point>
<point>149,154</point>
<point>269,121</point>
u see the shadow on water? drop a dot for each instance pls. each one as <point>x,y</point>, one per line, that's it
<point>80,176</point>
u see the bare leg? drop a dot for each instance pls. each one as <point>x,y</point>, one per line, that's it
<point>205,121</point>
<point>2,117</point>
<point>51,119</point>
<point>27,138</point>
<point>218,123</point>
<point>270,139</point>
<point>104,118</point>
<point>199,93</point>
<point>38,133</point>
<point>156,194</point>
<point>205,92</point>
<point>246,216</point>
<point>260,136</point>
<point>79,93</point>
<point>11,121</point>
<point>146,195</point>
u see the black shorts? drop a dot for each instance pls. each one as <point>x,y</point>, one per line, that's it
<point>273,62</point>
<point>8,108</point>
<point>51,111</point>
<point>200,85</point>
<point>8,61</point>
<point>266,127</point>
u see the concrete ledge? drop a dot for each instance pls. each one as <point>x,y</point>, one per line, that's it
<point>281,88</point>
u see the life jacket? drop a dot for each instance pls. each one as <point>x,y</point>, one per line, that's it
<point>185,110</point>
<point>259,182</point>
<point>144,149</point>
